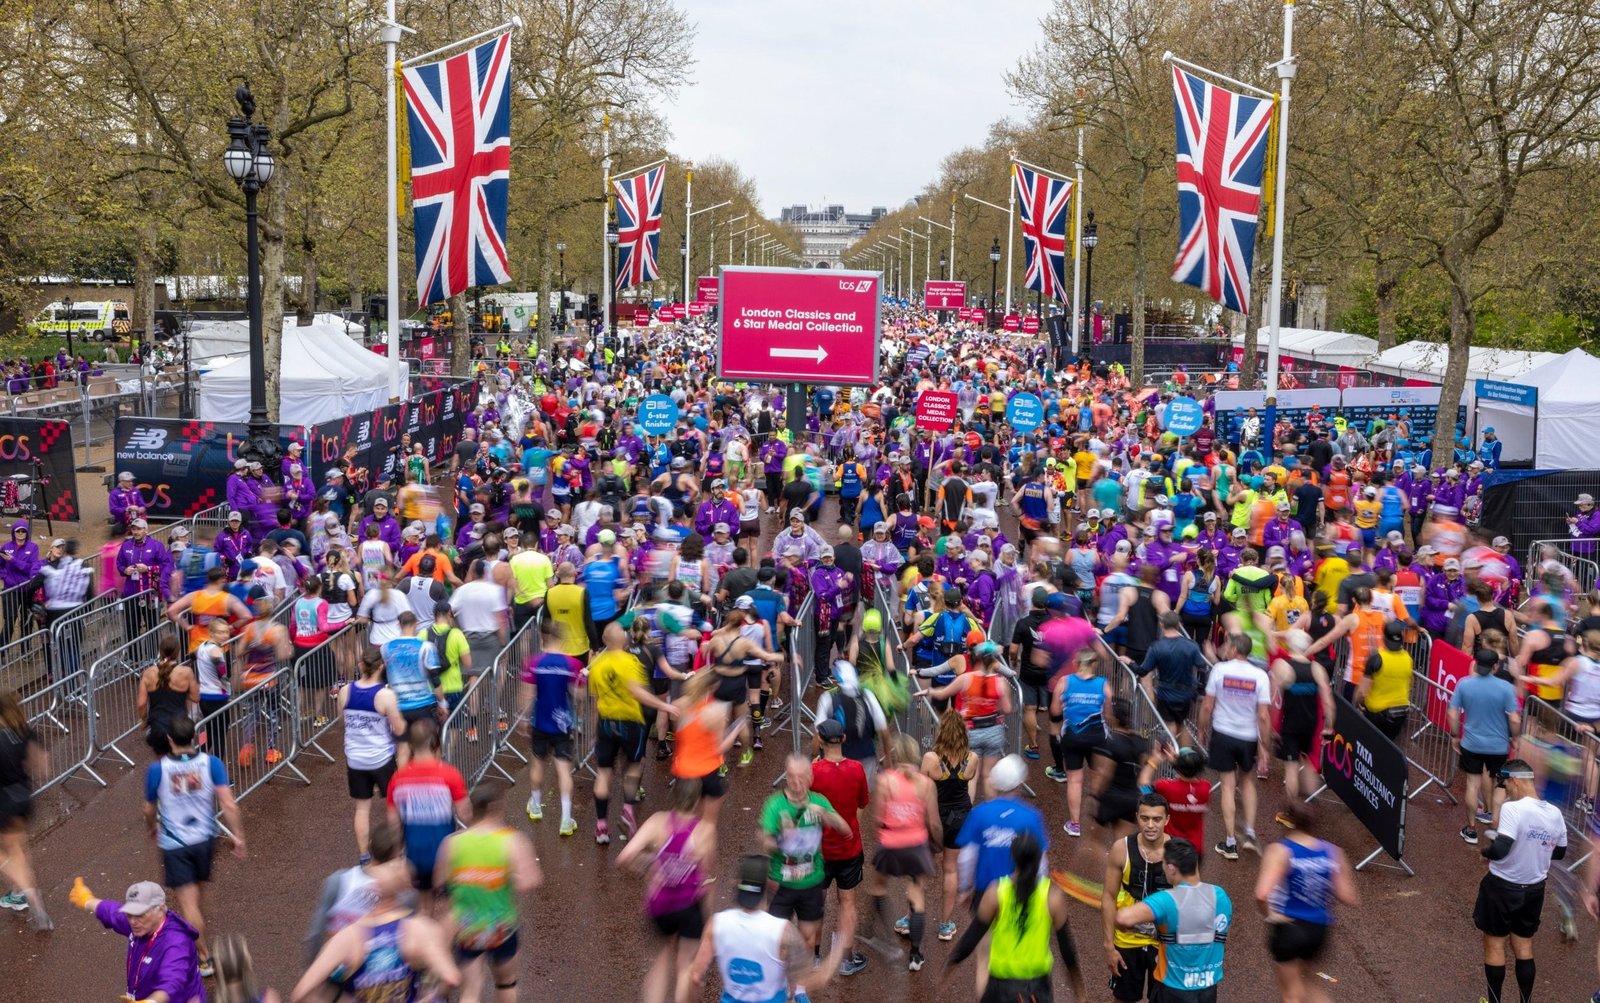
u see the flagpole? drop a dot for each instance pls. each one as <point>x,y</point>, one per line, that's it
<point>391,55</point>
<point>952,236</point>
<point>605,221</point>
<point>1286,70</point>
<point>1077,252</point>
<point>1011,221</point>
<point>688,225</point>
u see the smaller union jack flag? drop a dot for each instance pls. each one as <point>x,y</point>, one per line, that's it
<point>459,116</point>
<point>639,226</point>
<point>1222,156</point>
<point>1042,202</point>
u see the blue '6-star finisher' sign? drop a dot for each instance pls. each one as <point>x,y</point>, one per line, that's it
<point>1025,412</point>
<point>1184,416</point>
<point>658,414</point>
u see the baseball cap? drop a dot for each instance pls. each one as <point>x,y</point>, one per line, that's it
<point>138,524</point>
<point>752,881</point>
<point>744,602</point>
<point>1209,517</point>
<point>241,463</point>
<point>871,620</point>
<point>1008,774</point>
<point>795,515</point>
<point>476,509</point>
<point>1586,499</point>
<point>178,530</point>
<point>510,533</point>
<point>1451,564</point>
<point>1395,536</point>
<point>58,542</point>
<point>142,897</point>
<point>1500,541</point>
<point>1239,531</point>
<point>720,527</point>
<point>831,731</point>
<point>565,529</point>
<point>1108,513</point>
<point>880,527</point>
<point>608,536</point>
<point>334,475</point>
<point>124,476</point>
<point>1394,630</point>
<point>237,516</point>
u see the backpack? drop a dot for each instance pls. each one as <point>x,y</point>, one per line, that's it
<point>857,721</point>
<point>441,644</point>
<point>950,633</point>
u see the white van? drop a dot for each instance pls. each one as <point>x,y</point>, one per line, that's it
<point>103,321</point>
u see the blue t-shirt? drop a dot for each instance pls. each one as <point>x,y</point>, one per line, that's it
<point>536,464</point>
<point>991,826</point>
<point>1484,702</point>
<point>184,790</point>
<point>600,585</point>
<point>408,662</point>
<point>1190,965</point>
<point>553,673</point>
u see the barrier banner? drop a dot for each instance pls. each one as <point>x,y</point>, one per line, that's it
<point>1447,665</point>
<point>1369,773</point>
<point>183,466</point>
<point>37,472</point>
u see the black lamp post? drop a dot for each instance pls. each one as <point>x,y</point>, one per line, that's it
<point>994,273</point>
<point>1091,237</point>
<point>561,257</point>
<point>612,236</point>
<point>250,164</point>
<point>66,310</point>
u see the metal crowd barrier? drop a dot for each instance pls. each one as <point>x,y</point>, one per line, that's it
<point>65,727</point>
<point>14,604</point>
<point>83,636</point>
<point>114,683</point>
<point>1564,758</point>
<point>1428,746</point>
<point>25,663</point>
<point>469,738</point>
<point>318,674</point>
<point>208,521</point>
<point>255,733</point>
<point>508,669</point>
<point>1585,570</point>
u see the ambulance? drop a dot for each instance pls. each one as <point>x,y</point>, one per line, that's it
<point>103,321</point>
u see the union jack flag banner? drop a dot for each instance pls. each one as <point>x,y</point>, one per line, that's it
<point>1042,202</point>
<point>459,115</point>
<point>1222,155</point>
<point>639,226</point>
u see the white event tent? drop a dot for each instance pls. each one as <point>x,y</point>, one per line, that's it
<point>1425,360</point>
<point>325,375</point>
<point>1568,417</point>
<point>1329,348</point>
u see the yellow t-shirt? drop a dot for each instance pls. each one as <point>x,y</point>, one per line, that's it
<point>609,675</point>
<point>1329,574</point>
<point>565,603</point>
<point>1391,684</point>
<point>1367,512</point>
<point>532,572</point>
<point>1288,612</point>
<point>1085,463</point>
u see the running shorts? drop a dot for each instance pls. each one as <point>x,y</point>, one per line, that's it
<point>1138,976</point>
<point>544,745</point>
<point>187,865</point>
<point>907,862</point>
<point>1228,753</point>
<point>499,954</point>
<point>1507,909</point>
<point>803,904</point>
<point>1296,940</point>
<point>624,737</point>
<point>688,923</point>
<point>363,783</point>
<point>846,874</point>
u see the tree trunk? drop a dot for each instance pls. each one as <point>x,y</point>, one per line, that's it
<point>306,309</point>
<point>1387,279</point>
<point>143,306</point>
<point>271,228</point>
<point>1463,325</point>
<point>1136,333</point>
<point>460,339</point>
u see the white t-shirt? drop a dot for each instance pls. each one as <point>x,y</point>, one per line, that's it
<point>478,606</point>
<point>1238,688</point>
<point>1536,828</point>
<point>384,615</point>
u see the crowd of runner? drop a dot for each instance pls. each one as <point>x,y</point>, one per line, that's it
<point>670,578</point>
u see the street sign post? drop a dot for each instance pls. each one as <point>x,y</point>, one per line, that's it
<point>937,410</point>
<point>783,325</point>
<point>706,289</point>
<point>938,294</point>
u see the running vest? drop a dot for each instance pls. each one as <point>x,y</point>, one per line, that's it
<point>384,975</point>
<point>357,894</point>
<point>1082,703</point>
<point>1391,685</point>
<point>1140,880</point>
<point>980,704</point>
<point>696,754</point>
<point>483,905</point>
<point>1545,663</point>
<point>749,948</point>
<point>211,669</point>
<point>675,875</point>
<point>1306,892</point>
<point>368,740</point>
<point>207,606</point>
<point>1365,639</point>
<point>1019,947</point>
<point>905,823</point>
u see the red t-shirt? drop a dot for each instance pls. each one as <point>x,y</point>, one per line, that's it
<point>1187,803</point>
<point>844,784</point>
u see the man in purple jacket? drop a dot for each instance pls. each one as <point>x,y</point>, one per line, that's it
<point>1584,526</point>
<point>388,527</point>
<point>143,562</point>
<point>162,952</point>
<point>234,544</point>
<point>126,501</point>
<point>716,508</point>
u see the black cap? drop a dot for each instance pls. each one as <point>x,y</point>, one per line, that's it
<point>1394,630</point>
<point>830,731</point>
<point>752,882</point>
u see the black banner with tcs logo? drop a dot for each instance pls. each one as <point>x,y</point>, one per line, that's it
<point>37,475</point>
<point>1368,771</point>
<point>182,466</point>
<point>376,440</point>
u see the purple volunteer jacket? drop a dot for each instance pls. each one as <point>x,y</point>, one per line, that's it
<point>164,962</point>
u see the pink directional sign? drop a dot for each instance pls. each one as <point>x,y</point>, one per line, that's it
<point>697,308</point>
<point>706,289</point>
<point>1030,325</point>
<point>783,325</point>
<point>940,295</point>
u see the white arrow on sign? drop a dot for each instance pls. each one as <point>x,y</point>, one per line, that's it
<point>815,354</point>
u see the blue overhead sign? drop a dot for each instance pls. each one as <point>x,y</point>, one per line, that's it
<point>1507,393</point>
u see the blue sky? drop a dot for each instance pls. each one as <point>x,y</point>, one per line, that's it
<point>852,101</point>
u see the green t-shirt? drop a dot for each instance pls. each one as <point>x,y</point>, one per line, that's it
<point>483,905</point>
<point>797,829</point>
<point>455,645</point>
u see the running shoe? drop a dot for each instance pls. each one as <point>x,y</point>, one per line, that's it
<point>662,752</point>
<point>274,756</point>
<point>746,758</point>
<point>568,826</point>
<point>1249,843</point>
<point>1072,829</point>
<point>1282,818</point>
<point>1059,776</point>
<point>322,720</point>
<point>1569,927</point>
<point>852,964</point>
<point>1483,818</point>
<point>41,921</point>
<point>1595,996</point>
<point>628,824</point>
<point>16,902</point>
<point>535,811</point>
<point>1229,849</point>
<point>916,962</point>
<point>1031,751</point>
<point>774,704</point>
<point>902,926</point>
<point>947,931</point>
<point>722,770</point>
<point>207,969</point>
<point>1584,805</point>
<point>247,755</point>
<point>1469,835</point>
<point>602,834</point>
<point>758,745</point>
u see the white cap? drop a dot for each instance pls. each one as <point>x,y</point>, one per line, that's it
<point>1008,774</point>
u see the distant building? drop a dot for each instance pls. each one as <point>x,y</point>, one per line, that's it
<point>827,232</point>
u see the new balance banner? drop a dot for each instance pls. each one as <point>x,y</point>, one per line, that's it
<point>183,466</point>
<point>37,473</point>
<point>1369,773</point>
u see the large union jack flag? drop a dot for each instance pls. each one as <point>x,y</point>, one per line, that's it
<point>1042,201</point>
<point>1222,154</point>
<point>639,226</point>
<point>459,115</point>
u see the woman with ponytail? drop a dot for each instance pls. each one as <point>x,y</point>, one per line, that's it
<point>168,690</point>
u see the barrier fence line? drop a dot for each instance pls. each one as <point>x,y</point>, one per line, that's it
<point>14,617</point>
<point>508,667</point>
<point>64,725</point>
<point>115,680</point>
<point>25,663</point>
<point>1564,756</point>
<point>1585,570</point>
<point>255,733</point>
<point>318,674</point>
<point>468,739</point>
<point>80,638</point>
<point>1427,742</point>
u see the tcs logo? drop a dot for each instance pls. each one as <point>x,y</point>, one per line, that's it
<point>15,447</point>
<point>1339,753</point>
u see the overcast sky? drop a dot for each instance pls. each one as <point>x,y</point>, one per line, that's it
<point>852,101</point>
